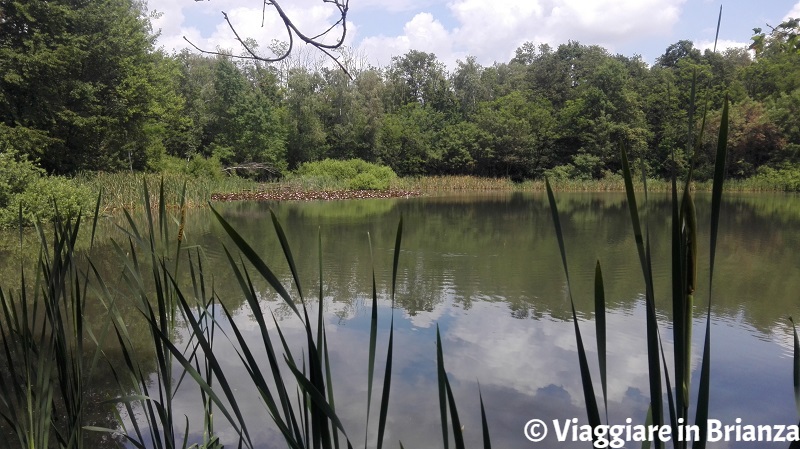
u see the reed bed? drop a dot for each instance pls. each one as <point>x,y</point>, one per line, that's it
<point>479,184</point>
<point>123,190</point>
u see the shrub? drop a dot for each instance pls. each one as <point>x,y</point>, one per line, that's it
<point>39,198</point>
<point>351,174</point>
<point>197,166</point>
<point>16,174</point>
<point>200,167</point>
<point>560,172</point>
<point>786,178</point>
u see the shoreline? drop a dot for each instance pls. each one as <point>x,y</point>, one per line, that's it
<point>289,194</point>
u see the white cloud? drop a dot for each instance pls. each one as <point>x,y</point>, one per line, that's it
<point>794,13</point>
<point>722,45</point>
<point>492,31</point>
<point>423,33</point>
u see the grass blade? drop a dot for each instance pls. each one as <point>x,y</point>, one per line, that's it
<point>445,390</point>
<point>257,262</point>
<point>287,252</point>
<point>653,342</point>
<point>716,202</point>
<point>441,380</point>
<point>600,325</point>
<point>387,382</point>
<point>373,337</point>
<point>593,414</point>
<point>796,371</point>
<point>487,441</point>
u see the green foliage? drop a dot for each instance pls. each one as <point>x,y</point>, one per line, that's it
<point>247,124</point>
<point>44,198</point>
<point>783,38</point>
<point>351,174</point>
<point>196,166</point>
<point>755,141</point>
<point>458,150</point>
<point>407,137</point>
<point>308,136</point>
<point>23,184</point>
<point>781,179</point>
<point>518,135</point>
<point>103,90</point>
<point>418,77</point>
<point>17,174</point>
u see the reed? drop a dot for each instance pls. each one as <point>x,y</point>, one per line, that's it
<point>123,190</point>
<point>478,184</point>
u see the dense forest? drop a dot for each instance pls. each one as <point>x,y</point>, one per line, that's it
<point>84,88</point>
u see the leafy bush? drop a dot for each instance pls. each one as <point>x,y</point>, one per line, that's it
<point>560,172</point>
<point>41,195</point>
<point>201,167</point>
<point>197,166</point>
<point>786,178</point>
<point>23,183</point>
<point>353,174</point>
<point>16,174</point>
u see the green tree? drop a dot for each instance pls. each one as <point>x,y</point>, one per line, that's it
<point>101,95</point>
<point>467,85</point>
<point>307,138</point>
<point>518,136</point>
<point>458,150</point>
<point>407,138</point>
<point>246,125</point>
<point>754,140</point>
<point>419,77</point>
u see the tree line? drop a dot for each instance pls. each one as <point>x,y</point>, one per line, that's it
<point>84,88</point>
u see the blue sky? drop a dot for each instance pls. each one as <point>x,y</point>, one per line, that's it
<point>489,30</point>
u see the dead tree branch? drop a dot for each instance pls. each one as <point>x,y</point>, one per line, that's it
<point>292,31</point>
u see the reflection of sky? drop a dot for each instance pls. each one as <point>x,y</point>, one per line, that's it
<point>526,369</point>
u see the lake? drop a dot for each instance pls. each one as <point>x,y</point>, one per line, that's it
<point>486,269</point>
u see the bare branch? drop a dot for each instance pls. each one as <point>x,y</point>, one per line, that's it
<point>292,31</point>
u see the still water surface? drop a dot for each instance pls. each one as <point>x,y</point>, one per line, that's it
<point>486,270</point>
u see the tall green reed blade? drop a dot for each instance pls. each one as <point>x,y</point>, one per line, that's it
<point>387,373</point>
<point>318,399</point>
<point>197,331</point>
<point>600,326</point>
<point>701,419</point>
<point>287,251</point>
<point>653,339</point>
<point>679,313</point>
<point>26,403</point>
<point>446,399</point>
<point>311,384</point>
<point>257,261</point>
<point>592,411</point>
<point>373,338</point>
<point>688,243</point>
<point>282,411</point>
<point>796,365</point>
<point>287,426</point>
<point>670,400</point>
<point>323,339</point>
<point>321,432</point>
<point>487,441</point>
